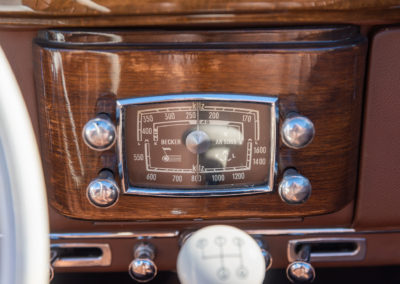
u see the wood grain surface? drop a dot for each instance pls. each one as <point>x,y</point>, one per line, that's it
<point>58,13</point>
<point>320,79</point>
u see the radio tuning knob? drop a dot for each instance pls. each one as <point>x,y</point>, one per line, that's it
<point>103,191</point>
<point>297,131</point>
<point>294,188</point>
<point>197,142</point>
<point>99,133</point>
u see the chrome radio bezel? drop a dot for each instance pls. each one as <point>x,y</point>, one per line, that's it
<point>121,105</point>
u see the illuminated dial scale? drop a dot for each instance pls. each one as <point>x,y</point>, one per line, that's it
<point>200,142</point>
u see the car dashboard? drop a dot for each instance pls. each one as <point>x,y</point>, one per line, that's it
<point>159,120</point>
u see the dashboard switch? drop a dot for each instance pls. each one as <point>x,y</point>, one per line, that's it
<point>297,131</point>
<point>99,133</point>
<point>103,191</point>
<point>142,268</point>
<point>301,270</point>
<point>294,188</point>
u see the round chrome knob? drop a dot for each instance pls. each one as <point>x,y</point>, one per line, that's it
<point>267,258</point>
<point>297,131</point>
<point>99,133</point>
<point>51,273</point>
<point>220,254</point>
<point>294,188</point>
<point>197,142</point>
<point>300,272</point>
<point>53,258</point>
<point>103,192</point>
<point>142,270</point>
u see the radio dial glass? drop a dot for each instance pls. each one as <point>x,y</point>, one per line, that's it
<point>198,143</point>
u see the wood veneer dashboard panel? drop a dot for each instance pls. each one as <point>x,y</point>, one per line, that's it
<point>317,76</point>
<point>62,13</point>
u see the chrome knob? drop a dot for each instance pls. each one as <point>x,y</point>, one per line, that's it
<point>103,191</point>
<point>220,254</point>
<point>297,131</point>
<point>266,254</point>
<point>51,273</point>
<point>142,268</point>
<point>53,258</point>
<point>99,133</point>
<point>300,272</point>
<point>267,258</point>
<point>198,142</point>
<point>294,188</point>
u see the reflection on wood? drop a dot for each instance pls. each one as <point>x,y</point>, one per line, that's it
<point>126,7</point>
<point>183,12</point>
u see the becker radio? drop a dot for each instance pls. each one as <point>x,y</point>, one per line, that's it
<point>201,126</point>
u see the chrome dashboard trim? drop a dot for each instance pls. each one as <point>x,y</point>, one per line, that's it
<point>356,255</point>
<point>122,167</point>
<point>253,232</point>
<point>174,234</point>
<point>89,261</point>
<point>299,232</point>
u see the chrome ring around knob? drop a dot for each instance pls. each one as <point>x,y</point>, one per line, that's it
<point>266,254</point>
<point>294,188</point>
<point>103,191</point>
<point>99,133</point>
<point>268,259</point>
<point>300,272</point>
<point>53,258</point>
<point>51,273</point>
<point>297,131</point>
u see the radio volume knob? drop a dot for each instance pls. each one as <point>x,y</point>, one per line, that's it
<point>103,191</point>
<point>99,133</point>
<point>294,188</point>
<point>297,131</point>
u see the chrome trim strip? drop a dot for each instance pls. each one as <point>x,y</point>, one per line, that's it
<point>118,235</point>
<point>103,260</point>
<point>253,232</point>
<point>299,232</point>
<point>356,255</point>
<point>122,165</point>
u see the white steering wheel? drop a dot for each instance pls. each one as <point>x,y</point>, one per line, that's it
<point>24,228</point>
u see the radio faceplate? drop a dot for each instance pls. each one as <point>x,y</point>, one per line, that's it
<point>314,72</point>
<point>192,145</point>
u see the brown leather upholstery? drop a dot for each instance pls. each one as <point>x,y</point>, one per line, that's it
<point>379,190</point>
